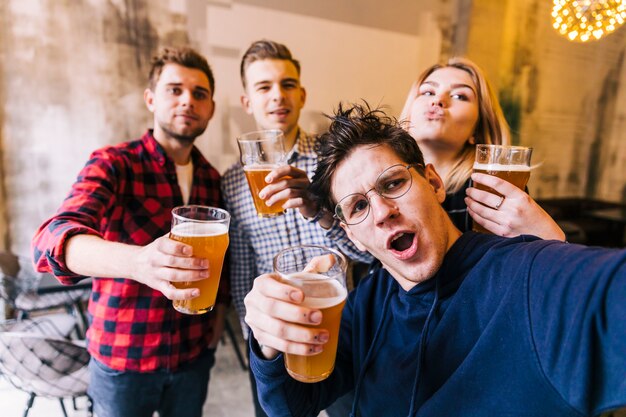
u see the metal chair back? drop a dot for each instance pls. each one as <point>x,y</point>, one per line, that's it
<point>43,364</point>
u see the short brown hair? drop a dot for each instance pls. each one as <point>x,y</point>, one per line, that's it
<point>265,49</point>
<point>187,57</point>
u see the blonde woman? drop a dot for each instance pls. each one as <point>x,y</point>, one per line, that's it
<point>451,108</point>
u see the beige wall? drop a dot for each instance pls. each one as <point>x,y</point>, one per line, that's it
<point>340,61</point>
<point>73,77</point>
<point>571,96</point>
<point>75,72</point>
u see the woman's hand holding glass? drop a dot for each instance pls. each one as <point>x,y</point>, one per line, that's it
<point>517,213</point>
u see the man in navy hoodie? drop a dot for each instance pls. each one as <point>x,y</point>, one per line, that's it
<point>453,324</point>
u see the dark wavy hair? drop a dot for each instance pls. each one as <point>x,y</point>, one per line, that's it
<point>353,126</point>
<point>187,57</point>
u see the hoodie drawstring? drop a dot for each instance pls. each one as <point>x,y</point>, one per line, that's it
<point>420,355</point>
<point>379,329</point>
<point>423,341</point>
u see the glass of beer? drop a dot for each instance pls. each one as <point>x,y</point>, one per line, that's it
<point>511,163</point>
<point>205,229</point>
<point>320,273</point>
<point>261,152</point>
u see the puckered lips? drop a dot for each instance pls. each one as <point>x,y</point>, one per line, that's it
<point>403,245</point>
<point>434,113</point>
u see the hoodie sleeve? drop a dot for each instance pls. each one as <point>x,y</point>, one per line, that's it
<point>582,347</point>
<point>282,396</point>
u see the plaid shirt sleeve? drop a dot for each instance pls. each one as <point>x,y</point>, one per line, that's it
<point>91,196</point>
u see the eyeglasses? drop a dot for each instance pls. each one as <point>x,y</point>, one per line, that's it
<point>392,183</point>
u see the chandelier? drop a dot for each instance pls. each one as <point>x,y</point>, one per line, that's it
<point>587,20</point>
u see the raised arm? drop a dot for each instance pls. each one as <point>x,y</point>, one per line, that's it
<point>156,265</point>
<point>581,348</point>
<point>71,246</point>
<point>279,324</point>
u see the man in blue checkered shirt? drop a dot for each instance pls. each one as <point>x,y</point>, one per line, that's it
<point>274,96</point>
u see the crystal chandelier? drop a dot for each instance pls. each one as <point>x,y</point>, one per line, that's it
<point>587,20</point>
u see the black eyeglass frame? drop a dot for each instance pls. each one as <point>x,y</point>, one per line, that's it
<point>337,210</point>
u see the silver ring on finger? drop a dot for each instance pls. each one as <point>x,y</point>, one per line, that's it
<point>499,203</point>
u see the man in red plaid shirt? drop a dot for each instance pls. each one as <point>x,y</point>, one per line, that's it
<point>113,226</point>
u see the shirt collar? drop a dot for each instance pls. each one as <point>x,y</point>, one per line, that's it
<point>304,146</point>
<point>156,151</point>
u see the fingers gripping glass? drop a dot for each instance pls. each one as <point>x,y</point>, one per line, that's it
<point>392,183</point>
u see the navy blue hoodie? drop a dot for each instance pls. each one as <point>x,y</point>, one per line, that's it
<point>507,327</point>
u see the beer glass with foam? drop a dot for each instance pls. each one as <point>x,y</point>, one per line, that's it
<point>261,152</point>
<point>205,229</point>
<point>511,163</point>
<point>320,273</point>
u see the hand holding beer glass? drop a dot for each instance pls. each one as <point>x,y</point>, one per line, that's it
<point>205,229</point>
<point>320,273</point>
<point>510,163</point>
<point>260,153</point>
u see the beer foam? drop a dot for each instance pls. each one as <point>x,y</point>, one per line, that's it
<point>259,167</point>
<point>501,167</point>
<point>191,229</point>
<point>321,294</point>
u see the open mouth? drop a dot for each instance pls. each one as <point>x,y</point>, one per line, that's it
<point>403,245</point>
<point>402,241</point>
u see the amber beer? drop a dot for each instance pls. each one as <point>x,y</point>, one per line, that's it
<point>329,296</point>
<point>260,152</point>
<point>209,240</point>
<point>517,175</point>
<point>255,174</point>
<point>320,273</point>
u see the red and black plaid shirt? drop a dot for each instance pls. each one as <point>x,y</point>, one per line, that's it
<point>125,193</point>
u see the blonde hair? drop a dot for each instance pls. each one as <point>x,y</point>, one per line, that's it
<point>491,127</point>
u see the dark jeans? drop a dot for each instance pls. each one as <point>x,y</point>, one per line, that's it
<point>138,394</point>
<point>258,411</point>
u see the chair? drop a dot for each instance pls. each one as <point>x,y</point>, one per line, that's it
<point>56,325</point>
<point>44,364</point>
<point>18,287</point>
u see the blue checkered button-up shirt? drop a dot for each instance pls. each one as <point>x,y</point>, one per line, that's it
<point>254,241</point>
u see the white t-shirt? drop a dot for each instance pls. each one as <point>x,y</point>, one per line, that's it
<point>184,173</point>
